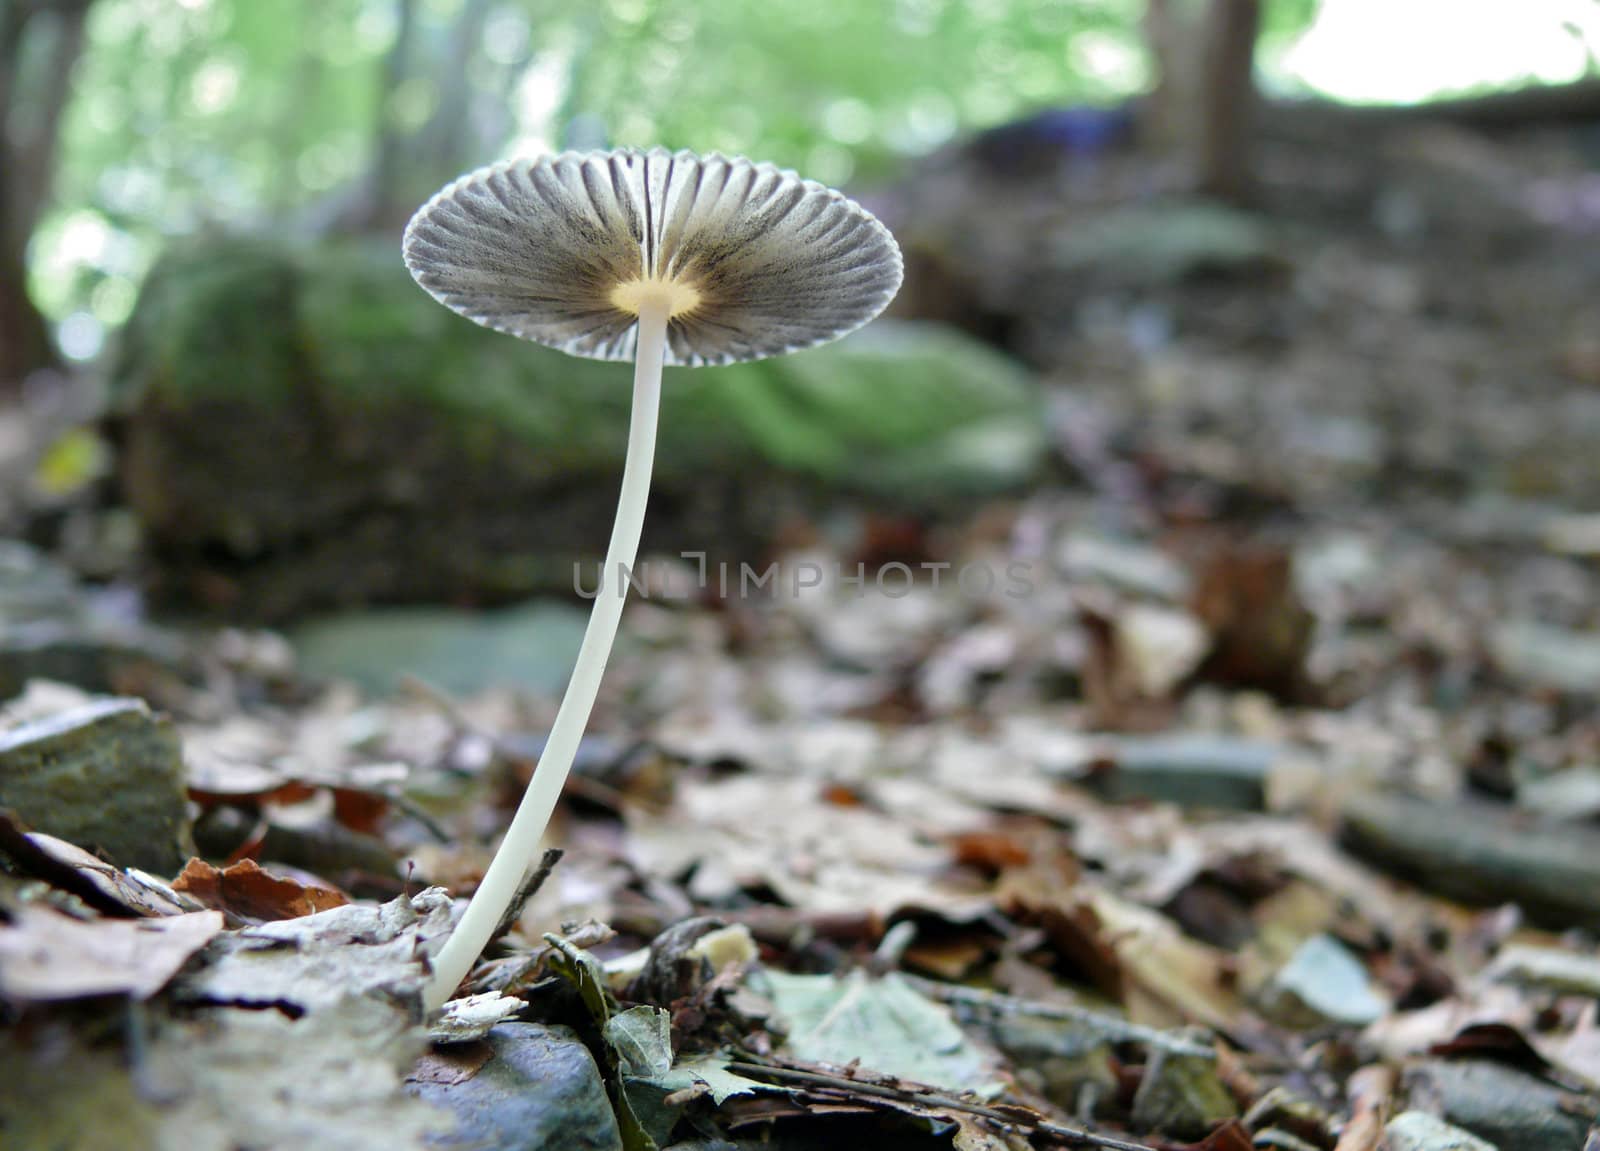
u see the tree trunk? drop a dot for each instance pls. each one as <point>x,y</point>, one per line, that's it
<point>1228,121</point>
<point>30,124</point>
<point>1202,108</point>
<point>386,201</point>
<point>447,135</point>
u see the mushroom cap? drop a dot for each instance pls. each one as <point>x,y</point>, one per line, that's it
<point>754,260</point>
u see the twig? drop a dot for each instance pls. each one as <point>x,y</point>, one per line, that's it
<point>1008,1116</point>
<point>530,887</point>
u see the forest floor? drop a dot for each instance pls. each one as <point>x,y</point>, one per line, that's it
<point>1236,787</point>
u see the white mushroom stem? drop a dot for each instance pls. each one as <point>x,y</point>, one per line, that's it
<point>521,844</point>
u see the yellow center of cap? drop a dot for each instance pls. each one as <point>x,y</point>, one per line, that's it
<point>633,295</point>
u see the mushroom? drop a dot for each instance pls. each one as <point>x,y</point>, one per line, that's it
<point>665,258</point>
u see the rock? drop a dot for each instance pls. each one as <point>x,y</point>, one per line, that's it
<point>1509,1108</point>
<point>1162,243</point>
<point>107,776</point>
<point>1481,854</point>
<point>1324,984</point>
<point>1193,770</point>
<point>1071,1065</point>
<point>540,1091</point>
<point>1573,794</point>
<point>1548,657</point>
<point>532,646</point>
<point>1419,1131</point>
<point>1548,968</point>
<point>226,1078</point>
<point>123,660</point>
<point>50,629</point>
<point>307,428</point>
<point>32,588</point>
<point>1126,565</point>
<point>1182,1094</point>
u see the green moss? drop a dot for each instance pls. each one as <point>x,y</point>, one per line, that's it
<point>342,328</point>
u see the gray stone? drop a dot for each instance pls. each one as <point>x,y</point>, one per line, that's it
<point>107,776</point>
<point>1324,984</point>
<point>1481,854</point>
<point>1193,770</point>
<point>1509,1108</point>
<point>92,655</point>
<point>1573,794</point>
<point>1183,1095</point>
<point>462,652</point>
<point>51,629</point>
<point>1419,1131</point>
<point>1548,657</point>
<point>540,1091</point>
<point>1162,243</point>
<point>32,587</point>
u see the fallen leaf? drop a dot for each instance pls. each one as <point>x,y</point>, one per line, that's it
<point>48,955</point>
<point>103,886</point>
<point>883,1023</point>
<point>249,891</point>
<point>317,961</point>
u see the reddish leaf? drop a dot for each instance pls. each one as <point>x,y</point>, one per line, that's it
<point>247,890</point>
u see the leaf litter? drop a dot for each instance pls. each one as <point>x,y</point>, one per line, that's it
<point>1267,818</point>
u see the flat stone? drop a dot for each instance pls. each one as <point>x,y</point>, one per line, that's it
<point>1182,1094</point>
<point>1548,657</point>
<point>106,776</point>
<point>51,629</point>
<point>1481,854</point>
<point>1547,968</point>
<point>1323,983</point>
<point>1419,1131</point>
<point>532,646</point>
<point>540,1091</point>
<point>1572,795</point>
<point>1193,770</point>
<point>1509,1108</point>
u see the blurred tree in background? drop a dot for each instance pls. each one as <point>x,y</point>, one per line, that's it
<point>39,46</point>
<point>126,121</point>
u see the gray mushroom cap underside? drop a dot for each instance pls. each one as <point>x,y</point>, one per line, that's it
<point>536,248</point>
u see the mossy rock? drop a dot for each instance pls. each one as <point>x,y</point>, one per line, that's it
<point>59,775</point>
<point>304,427</point>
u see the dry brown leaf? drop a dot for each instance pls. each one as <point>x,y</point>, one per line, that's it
<point>249,891</point>
<point>1171,979</point>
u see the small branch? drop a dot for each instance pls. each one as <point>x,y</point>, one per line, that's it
<point>1016,1117</point>
<point>530,887</point>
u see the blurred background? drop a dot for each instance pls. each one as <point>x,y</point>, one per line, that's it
<point>1193,261</point>
<point>1224,484</point>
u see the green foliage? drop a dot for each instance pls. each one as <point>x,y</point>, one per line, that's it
<point>835,87</point>
<point>192,115</point>
<point>340,327</point>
